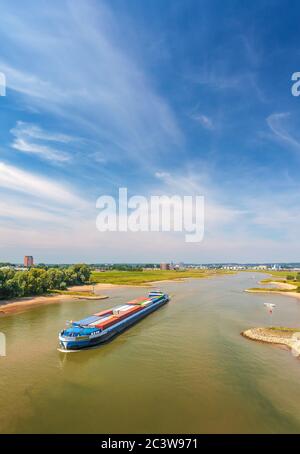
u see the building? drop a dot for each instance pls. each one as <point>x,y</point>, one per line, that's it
<point>164,266</point>
<point>28,260</point>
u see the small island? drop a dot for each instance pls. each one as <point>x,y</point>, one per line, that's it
<point>288,284</point>
<point>289,337</point>
<point>274,335</point>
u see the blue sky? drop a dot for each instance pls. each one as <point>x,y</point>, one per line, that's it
<point>174,97</point>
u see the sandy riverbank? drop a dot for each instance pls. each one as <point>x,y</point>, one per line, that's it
<point>99,287</point>
<point>278,336</point>
<point>16,305</point>
<point>281,286</point>
<point>284,285</point>
<point>21,304</point>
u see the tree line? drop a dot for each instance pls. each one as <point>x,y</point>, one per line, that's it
<point>36,281</point>
<point>124,266</point>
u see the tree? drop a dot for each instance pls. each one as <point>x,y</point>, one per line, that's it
<point>37,281</point>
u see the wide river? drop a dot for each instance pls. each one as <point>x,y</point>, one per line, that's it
<point>184,368</point>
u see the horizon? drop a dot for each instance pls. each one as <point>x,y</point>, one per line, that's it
<point>163,99</point>
<point>157,263</point>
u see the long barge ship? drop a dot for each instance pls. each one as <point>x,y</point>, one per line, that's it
<point>102,326</point>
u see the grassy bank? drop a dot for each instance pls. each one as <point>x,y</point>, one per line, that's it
<point>281,274</point>
<point>283,330</point>
<point>286,281</point>
<point>271,289</point>
<point>144,277</point>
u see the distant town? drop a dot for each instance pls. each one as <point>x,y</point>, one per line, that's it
<point>28,262</point>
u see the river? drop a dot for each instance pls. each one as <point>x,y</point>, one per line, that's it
<point>185,368</point>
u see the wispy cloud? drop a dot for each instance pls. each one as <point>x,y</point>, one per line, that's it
<point>100,86</point>
<point>217,213</point>
<point>36,132</point>
<point>16,209</point>
<point>30,84</point>
<point>39,212</point>
<point>162,175</point>
<point>174,117</point>
<point>19,180</point>
<point>43,151</point>
<point>205,121</point>
<point>276,123</point>
<point>31,139</point>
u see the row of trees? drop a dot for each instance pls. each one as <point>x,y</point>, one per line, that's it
<point>37,281</point>
<point>125,267</point>
<point>120,267</point>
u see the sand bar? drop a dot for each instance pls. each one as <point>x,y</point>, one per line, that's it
<point>16,305</point>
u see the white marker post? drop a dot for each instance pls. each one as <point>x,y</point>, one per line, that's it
<point>270,308</point>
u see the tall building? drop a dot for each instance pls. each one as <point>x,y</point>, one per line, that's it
<point>164,266</point>
<point>28,260</point>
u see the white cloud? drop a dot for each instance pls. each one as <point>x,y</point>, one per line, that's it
<point>17,209</point>
<point>29,139</point>
<point>204,120</point>
<point>162,175</point>
<point>18,180</point>
<point>35,132</point>
<point>99,157</point>
<point>38,212</point>
<point>101,84</point>
<point>44,151</point>
<point>216,213</point>
<point>276,124</point>
<point>29,84</point>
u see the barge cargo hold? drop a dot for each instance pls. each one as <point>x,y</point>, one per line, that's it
<point>102,326</point>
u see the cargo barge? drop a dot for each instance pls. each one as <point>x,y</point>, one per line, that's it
<point>102,326</point>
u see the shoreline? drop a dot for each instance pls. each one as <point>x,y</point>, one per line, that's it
<point>288,338</point>
<point>17,305</point>
<point>282,289</point>
<point>284,285</point>
<point>275,336</point>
